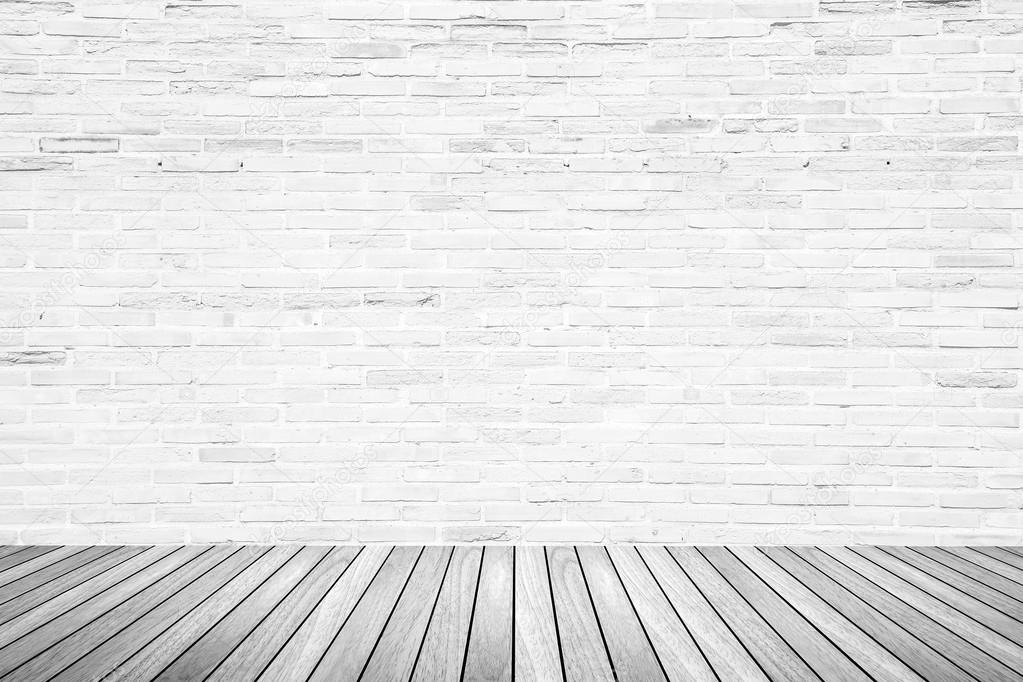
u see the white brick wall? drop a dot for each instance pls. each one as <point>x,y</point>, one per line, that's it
<point>510,271</point>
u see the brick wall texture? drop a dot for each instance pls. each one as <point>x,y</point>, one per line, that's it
<point>531,271</point>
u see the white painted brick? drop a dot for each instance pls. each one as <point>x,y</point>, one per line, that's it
<point>511,272</point>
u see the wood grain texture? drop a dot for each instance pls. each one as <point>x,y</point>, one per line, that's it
<point>536,634</point>
<point>38,564</point>
<point>46,597</point>
<point>200,579</point>
<point>395,654</point>
<point>843,635</point>
<point>120,624</point>
<point>375,613</point>
<point>889,633</point>
<point>346,656</point>
<point>305,647</point>
<point>816,650</point>
<point>490,650</point>
<point>34,642</point>
<point>631,653</point>
<point>928,619</point>
<point>206,653</point>
<point>8,563</point>
<point>724,651</point>
<point>1008,558</point>
<point>26,613</point>
<point>974,570</point>
<point>7,550</point>
<point>52,572</point>
<point>153,658</point>
<point>775,656</point>
<point>583,653</point>
<point>986,562</point>
<point>258,649</point>
<point>922,583</point>
<point>962,582</point>
<point>443,648</point>
<point>678,653</point>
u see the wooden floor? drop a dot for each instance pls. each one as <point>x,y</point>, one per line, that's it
<point>500,613</point>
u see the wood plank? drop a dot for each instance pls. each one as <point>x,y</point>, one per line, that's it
<point>238,619</point>
<point>306,646</point>
<point>23,570</point>
<point>902,643</point>
<point>584,655</point>
<point>1011,573</point>
<point>443,648</point>
<point>974,570</point>
<point>632,654</point>
<point>258,649</point>
<point>874,660</point>
<point>960,581</point>
<point>154,612</point>
<point>346,656</point>
<point>54,571</point>
<point>827,660</point>
<point>894,593</point>
<point>15,560</point>
<point>726,655</point>
<point>122,618</point>
<point>7,550</point>
<point>778,660</point>
<point>148,662</point>
<point>677,651</point>
<point>394,656</point>
<point>17,652</point>
<point>32,610</point>
<point>980,612</point>
<point>1007,558</point>
<point>490,649</point>
<point>45,592</point>
<point>536,635</point>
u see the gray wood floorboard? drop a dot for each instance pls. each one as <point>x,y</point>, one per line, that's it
<point>560,613</point>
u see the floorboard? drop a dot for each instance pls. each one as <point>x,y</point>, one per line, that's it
<point>488,654</point>
<point>987,619</point>
<point>255,653</point>
<point>233,613</point>
<point>627,642</point>
<point>760,637</point>
<point>944,629</point>
<point>305,646</point>
<point>974,570</point>
<point>678,653</point>
<point>584,655</point>
<point>973,555</point>
<point>394,656</point>
<point>960,581</point>
<point>209,651</point>
<point>725,652</point>
<point>844,636</point>
<point>161,609</point>
<point>442,651</point>
<point>1009,558</point>
<point>9,563</point>
<point>40,563</point>
<point>537,649</point>
<point>347,655</point>
<point>34,643</point>
<point>47,593</point>
<point>888,632</point>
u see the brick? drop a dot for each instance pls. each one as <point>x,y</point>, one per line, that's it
<point>503,272</point>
